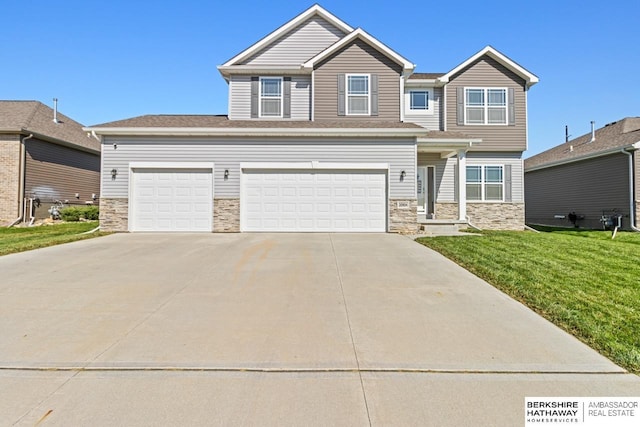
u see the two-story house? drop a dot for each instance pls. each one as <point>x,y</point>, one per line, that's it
<point>328,129</point>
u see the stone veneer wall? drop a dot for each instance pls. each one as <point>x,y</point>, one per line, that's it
<point>114,214</point>
<point>9,177</point>
<point>446,211</point>
<point>226,215</point>
<point>637,224</point>
<point>403,219</point>
<point>497,216</point>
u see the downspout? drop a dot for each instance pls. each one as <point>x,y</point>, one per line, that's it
<point>632,204</point>
<point>21,169</point>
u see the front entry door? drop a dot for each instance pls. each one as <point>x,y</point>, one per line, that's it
<point>425,187</point>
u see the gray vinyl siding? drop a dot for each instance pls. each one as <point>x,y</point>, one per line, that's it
<point>298,45</point>
<point>446,172</point>
<point>359,58</point>
<point>429,121</point>
<point>228,153</point>
<point>587,188</point>
<point>240,98</point>
<point>54,172</point>
<point>486,72</point>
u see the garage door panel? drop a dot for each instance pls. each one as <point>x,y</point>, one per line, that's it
<point>313,201</point>
<point>171,200</point>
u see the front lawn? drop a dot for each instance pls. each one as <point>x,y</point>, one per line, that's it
<point>582,281</point>
<point>18,239</point>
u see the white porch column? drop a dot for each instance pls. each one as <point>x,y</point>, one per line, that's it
<point>462,185</point>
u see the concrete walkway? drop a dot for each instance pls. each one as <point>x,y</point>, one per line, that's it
<point>274,329</point>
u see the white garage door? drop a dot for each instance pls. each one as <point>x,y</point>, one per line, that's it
<point>322,201</point>
<point>171,200</point>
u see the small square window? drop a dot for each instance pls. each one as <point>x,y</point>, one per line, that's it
<point>419,100</point>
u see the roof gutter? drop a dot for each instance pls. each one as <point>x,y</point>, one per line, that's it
<point>61,142</point>
<point>160,131</point>
<point>631,147</point>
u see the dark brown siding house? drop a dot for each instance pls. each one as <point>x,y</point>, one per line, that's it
<point>578,182</point>
<point>44,157</point>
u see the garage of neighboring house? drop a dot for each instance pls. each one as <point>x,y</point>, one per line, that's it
<point>171,197</point>
<point>323,198</point>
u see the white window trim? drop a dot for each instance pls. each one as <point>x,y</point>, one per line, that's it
<point>407,101</point>
<point>486,106</point>
<point>483,183</point>
<point>271,97</point>
<point>346,94</point>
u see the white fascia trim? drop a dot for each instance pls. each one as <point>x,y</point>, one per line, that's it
<point>274,70</point>
<point>386,132</point>
<point>450,141</point>
<point>631,147</point>
<point>370,40</point>
<point>314,165</point>
<point>171,165</point>
<point>313,10</point>
<point>530,78</point>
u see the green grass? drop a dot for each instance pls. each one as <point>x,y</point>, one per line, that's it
<point>19,239</point>
<point>583,281</point>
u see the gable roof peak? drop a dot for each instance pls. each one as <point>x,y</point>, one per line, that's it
<point>361,34</point>
<point>314,10</point>
<point>489,50</point>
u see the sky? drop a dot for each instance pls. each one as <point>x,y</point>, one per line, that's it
<point>115,59</point>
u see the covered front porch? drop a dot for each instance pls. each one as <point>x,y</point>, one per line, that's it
<point>441,182</point>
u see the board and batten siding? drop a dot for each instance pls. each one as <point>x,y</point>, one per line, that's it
<point>240,98</point>
<point>587,188</point>
<point>429,121</point>
<point>298,45</point>
<point>446,172</point>
<point>483,73</point>
<point>357,58</point>
<point>228,153</point>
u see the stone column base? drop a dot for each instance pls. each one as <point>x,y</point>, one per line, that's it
<point>446,211</point>
<point>403,216</point>
<point>114,214</point>
<point>226,215</point>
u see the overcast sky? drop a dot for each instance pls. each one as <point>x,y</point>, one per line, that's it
<point>115,59</point>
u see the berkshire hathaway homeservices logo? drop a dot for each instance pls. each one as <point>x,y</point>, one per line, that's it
<point>582,411</point>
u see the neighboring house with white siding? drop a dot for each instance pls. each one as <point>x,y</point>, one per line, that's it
<point>328,129</point>
<point>576,183</point>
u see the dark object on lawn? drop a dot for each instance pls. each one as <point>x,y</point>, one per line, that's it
<point>574,218</point>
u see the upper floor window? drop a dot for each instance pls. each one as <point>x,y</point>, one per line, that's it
<point>358,90</point>
<point>418,100</point>
<point>270,97</point>
<point>485,106</point>
<point>485,183</point>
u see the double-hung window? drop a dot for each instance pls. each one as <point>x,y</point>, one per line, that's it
<point>270,97</point>
<point>485,183</point>
<point>358,94</point>
<point>485,106</point>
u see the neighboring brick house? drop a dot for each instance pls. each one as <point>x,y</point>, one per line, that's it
<point>328,129</point>
<point>590,176</point>
<point>42,160</point>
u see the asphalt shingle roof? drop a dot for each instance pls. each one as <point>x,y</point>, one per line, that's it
<point>35,117</point>
<point>614,135</point>
<point>221,121</point>
<point>425,76</point>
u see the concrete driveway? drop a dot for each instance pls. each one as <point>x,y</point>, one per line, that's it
<point>274,329</point>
